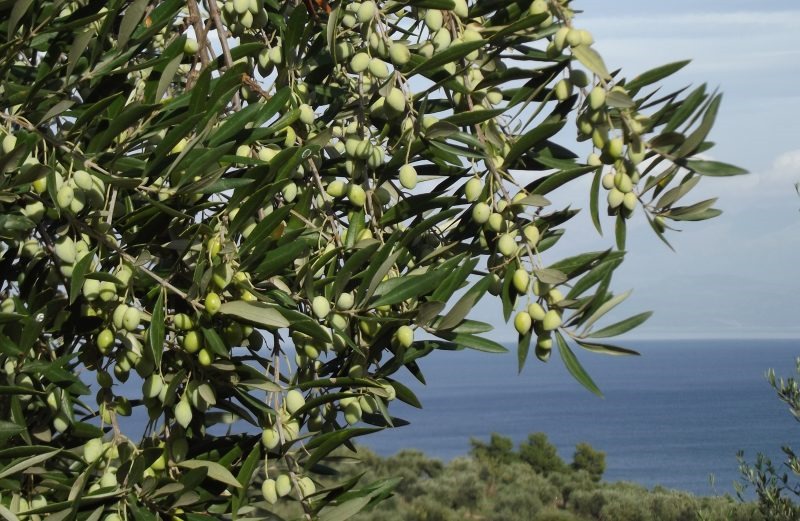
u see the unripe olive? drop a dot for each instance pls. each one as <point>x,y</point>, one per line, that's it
<point>270,437</point>
<point>586,37</point>
<point>579,78</point>
<point>343,50</point>
<point>294,401</point>
<point>34,211</point>
<point>615,147</point>
<point>357,195</point>
<point>93,450</point>
<point>560,38</point>
<point>378,68</point>
<point>615,198</point>
<point>38,501</point>
<point>349,19</point>
<point>243,151</point>
<point>61,422</point>
<point>65,196</point>
<point>269,491</point>
<point>594,160</point>
<point>192,341</point>
<point>306,114</point>
<point>481,213</point>
<point>473,189</point>
<point>306,486</point>
<point>131,319</point>
<point>521,280</point>
<point>360,62</point>
<point>405,336</point>
<point>212,303</point>
<point>91,289</point>
<point>408,176</point>
<point>104,379</point>
<point>399,53</point>
<point>289,192</point>
<point>65,249</point>
<point>536,311</point>
<point>320,306</point>
<point>544,345</point>
<point>563,89</point>
<point>82,179</point>
<point>160,463</point>
<point>276,55</point>
<point>442,40</point>
<point>107,480</point>
<point>597,98</point>
<point>352,413</point>
<point>434,19</point>
<point>532,234</point>
<point>190,46</point>
<point>522,322</point>
<point>267,153</point>
<point>623,182</point>
<point>9,143</point>
<point>506,245</point>
<point>183,412</point>
<point>366,11</point>
<point>629,201</point>
<point>345,301</point>
<point>554,296</point>
<point>152,386</point>
<point>599,138</point>
<point>105,340</point>
<point>336,188</point>
<point>461,9</point>
<point>608,181</point>
<point>204,357</point>
<point>283,485</point>
<point>183,321</point>
<point>396,100</point>
<point>552,320</point>
<point>574,38</point>
<point>40,185</point>
<point>538,7</point>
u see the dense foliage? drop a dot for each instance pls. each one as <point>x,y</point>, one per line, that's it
<point>777,488</point>
<point>241,219</point>
<point>495,482</point>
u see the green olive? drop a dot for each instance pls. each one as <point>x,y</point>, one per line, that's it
<point>212,303</point>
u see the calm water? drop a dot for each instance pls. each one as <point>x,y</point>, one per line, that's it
<point>674,417</point>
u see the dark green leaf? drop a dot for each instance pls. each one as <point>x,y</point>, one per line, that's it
<point>574,367</point>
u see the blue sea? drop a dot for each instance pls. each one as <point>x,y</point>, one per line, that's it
<point>675,416</point>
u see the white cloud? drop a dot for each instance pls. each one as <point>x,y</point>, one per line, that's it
<point>787,165</point>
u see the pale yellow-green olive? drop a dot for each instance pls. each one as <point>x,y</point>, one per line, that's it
<point>408,176</point>
<point>522,322</point>
<point>481,213</point>
<point>536,311</point>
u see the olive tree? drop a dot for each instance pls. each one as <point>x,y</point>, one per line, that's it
<point>777,488</point>
<point>238,221</point>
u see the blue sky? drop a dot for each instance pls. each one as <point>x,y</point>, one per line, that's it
<point>735,276</point>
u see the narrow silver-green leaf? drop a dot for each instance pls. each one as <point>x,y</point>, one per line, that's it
<point>605,308</point>
<point>156,332</point>
<point>257,313</point>
<point>623,326</point>
<point>215,471</point>
<point>574,366</point>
